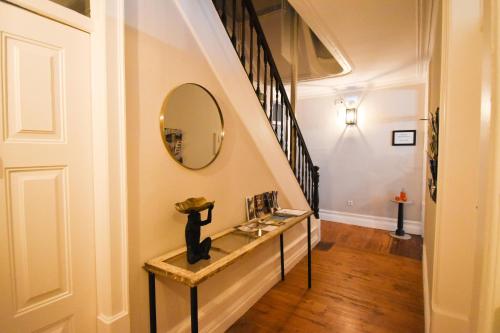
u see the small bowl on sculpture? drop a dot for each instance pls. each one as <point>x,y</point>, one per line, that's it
<point>193,205</point>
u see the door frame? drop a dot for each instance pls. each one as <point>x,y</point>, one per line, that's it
<point>106,29</point>
<point>486,317</point>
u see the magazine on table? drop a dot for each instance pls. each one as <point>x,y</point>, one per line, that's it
<point>289,212</point>
<point>261,205</point>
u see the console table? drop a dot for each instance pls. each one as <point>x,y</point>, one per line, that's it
<point>227,247</point>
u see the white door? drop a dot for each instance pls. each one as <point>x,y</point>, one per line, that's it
<point>47,259</point>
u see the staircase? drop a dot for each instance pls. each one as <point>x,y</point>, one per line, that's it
<point>245,32</point>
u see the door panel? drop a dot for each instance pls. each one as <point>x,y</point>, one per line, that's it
<point>34,84</point>
<point>36,205</point>
<point>47,253</point>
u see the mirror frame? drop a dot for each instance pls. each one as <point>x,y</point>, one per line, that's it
<point>162,123</point>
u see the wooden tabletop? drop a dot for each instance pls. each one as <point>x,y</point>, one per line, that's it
<point>401,201</point>
<point>173,264</point>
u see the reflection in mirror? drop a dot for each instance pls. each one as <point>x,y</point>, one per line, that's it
<point>191,126</point>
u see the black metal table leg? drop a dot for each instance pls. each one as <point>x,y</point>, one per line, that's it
<point>400,230</point>
<point>194,309</point>
<point>309,252</point>
<point>282,259</point>
<point>152,302</point>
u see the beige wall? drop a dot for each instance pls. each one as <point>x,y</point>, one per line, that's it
<point>359,163</point>
<point>160,55</point>
<point>434,87</point>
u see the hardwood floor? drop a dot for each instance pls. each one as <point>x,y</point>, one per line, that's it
<point>363,281</point>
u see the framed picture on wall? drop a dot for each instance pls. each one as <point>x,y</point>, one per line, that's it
<point>404,138</point>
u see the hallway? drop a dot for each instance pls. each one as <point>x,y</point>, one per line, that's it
<point>363,281</point>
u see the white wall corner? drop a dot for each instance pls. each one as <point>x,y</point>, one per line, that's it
<point>370,221</point>
<point>110,187</point>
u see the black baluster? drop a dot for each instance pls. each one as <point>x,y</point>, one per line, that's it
<point>299,161</point>
<point>281,119</point>
<point>312,184</point>
<point>291,143</point>
<point>302,162</point>
<point>271,97</point>
<point>243,33</point>
<point>233,36</point>
<point>258,67</point>
<point>307,179</point>
<point>286,133</point>
<point>277,106</point>
<point>304,168</point>
<point>223,16</point>
<point>250,76</point>
<point>265,83</point>
<point>309,183</point>
<point>296,147</point>
<point>309,186</point>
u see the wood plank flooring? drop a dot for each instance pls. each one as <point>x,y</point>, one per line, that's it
<point>363,281</point>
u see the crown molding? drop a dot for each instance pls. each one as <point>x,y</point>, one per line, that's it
<point>426,27</point>
<point>324,91</point>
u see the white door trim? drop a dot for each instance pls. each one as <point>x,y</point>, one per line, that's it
<point>56,12</point>
<point>488,288</point>
<point>110,167</point>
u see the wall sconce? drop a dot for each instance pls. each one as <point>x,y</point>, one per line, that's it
<point>350,116</point>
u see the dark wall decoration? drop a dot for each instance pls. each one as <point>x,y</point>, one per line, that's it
<point>432,152</point>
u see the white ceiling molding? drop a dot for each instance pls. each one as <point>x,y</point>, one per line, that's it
<point>434,12</point>
<point>387,44</point>
<point>421,33</point>
<point>426,21</point>
<point>324,34</point>
<point>306,91</point>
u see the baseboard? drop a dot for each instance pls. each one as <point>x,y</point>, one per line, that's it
<point>268,273</point>
<point>119,323</point>
<point>446,321</point>
<point>425,281</point>
<point>370,221</point>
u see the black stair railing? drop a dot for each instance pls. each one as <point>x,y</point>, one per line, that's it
<point>243,27</point>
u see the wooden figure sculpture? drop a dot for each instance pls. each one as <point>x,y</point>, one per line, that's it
<point>193,206</point>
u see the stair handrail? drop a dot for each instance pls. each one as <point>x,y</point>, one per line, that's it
<point>306,173</point>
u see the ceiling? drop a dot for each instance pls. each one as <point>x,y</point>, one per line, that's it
<point>382,41</point>
<point>314,60</point>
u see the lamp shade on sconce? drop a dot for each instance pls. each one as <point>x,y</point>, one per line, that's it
<point>350,116</point>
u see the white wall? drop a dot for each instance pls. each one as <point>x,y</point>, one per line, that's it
<point>359,163</point>
<point>161,53</point>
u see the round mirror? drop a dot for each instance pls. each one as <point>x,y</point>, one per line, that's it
<point>191,126</point>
